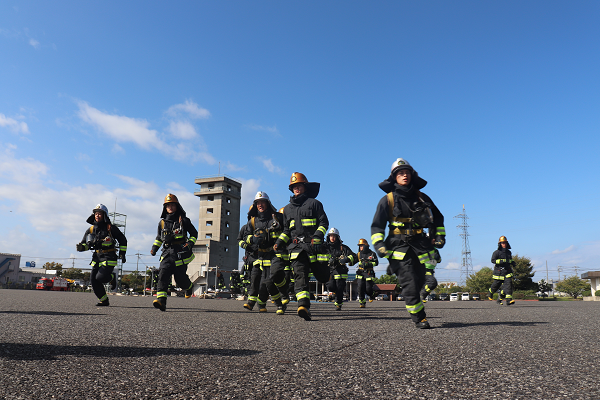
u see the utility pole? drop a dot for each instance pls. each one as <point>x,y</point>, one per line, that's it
<point>466,268</point>
<point>559,268</point>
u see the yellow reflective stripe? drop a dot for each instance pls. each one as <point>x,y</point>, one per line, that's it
<point>161,294</point>
<point>123,248</point>
<point>312,259</point>
<point>323,257</point>
<point>157,243</point>
<point>498,277</point>
<point>105,297</point>
<point>351,258</point>
<point>322,229</point>
<point>274,235</point>
<point>192,239</point>
<point>294,255</point>
<point>509,275</point>
<point>262,263</point>
<point>308,221</point>
<point>317,241</point>
<point>189,259</point>
<point>440,230</point>
<point>108,263</point>
<point>285,238</point>
<point>396,224</point>
<point>376,238</point>
<point>242,244</point>
<point>396,255</point>
<point>302,295</point>
<point>359,277</point>
<point>416,308</point>
<point>292,223</point>
<point>249,239</point>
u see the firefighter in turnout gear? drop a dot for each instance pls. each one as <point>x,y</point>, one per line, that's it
<point>305,225</point>
<point>283,254</point>
<point>235,283</point>
<point>173,230</point>
<point>430,281</point>
<point>268,275</point>
<point>220,281</point>
<point>247,267</point>
<point>102,237</point>
<point>410,251</point>
<point>503,273</point>
<point>339,258</point>
<point>367,260</point>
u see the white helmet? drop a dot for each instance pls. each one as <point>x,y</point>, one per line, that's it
<point>101,207</point>
<point>333,231</point>
<point>399,164</point>
<point>262,196</point>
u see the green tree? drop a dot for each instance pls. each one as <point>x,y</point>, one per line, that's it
<point>522,274</point>
<point>480,281</point>
<point>447,288</point>
<point>133,280</point>
<point>55,266</point>
<point>384,279</point>
<point>73,273</point>
<point>544,287</point>
<point>573,286</point>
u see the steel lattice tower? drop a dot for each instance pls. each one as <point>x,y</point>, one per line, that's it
<point>466,267</point>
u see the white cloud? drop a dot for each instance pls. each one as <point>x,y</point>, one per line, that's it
<point>235,168</point>
<point>14,125</point>
<point>268,164</point>
<point>182,130</point>
<point>190,108</point>
<point>270,129</point>
<point>568,249</point>
<point>82,157</point>
<point>249,189</point>
<point>452,265</point>
<point>137,131</point>
<point>116,149</point>
<point>34,43</point>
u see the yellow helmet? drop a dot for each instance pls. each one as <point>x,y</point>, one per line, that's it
<point>280,210</point>
<point>362,242</point>
<point>171,198</point>
<point>502,239</point>
<point>297,177</point>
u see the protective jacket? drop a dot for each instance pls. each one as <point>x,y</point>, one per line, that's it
<point>335,251</point>
<point>304,220</point>
<point>402,210</point>
<point>172,235</point>
<point>260,234</point>
<point>103,238</point>
<point>503,263</point>
<point>367,259</point>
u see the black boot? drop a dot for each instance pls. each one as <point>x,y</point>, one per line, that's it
<point>189,291</point>
<point>423,324</point>
<point>249,305</point>
<point>103,303</point>
<point>160,303</point>
<point>113,282</point>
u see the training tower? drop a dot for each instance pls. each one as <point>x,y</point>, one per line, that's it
<point>216,249</point>
<point>466,266</point>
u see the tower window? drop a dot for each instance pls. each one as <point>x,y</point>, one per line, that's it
<point>209,210</point>
<point>208,223</point>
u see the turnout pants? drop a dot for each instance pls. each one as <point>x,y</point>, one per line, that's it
<point>364,279</point>
<point>171,266</point>
<point>339,274</point>
<point>503,286</point>
<point>102,272</point>
<point>411,277</point>
<point>302,267</point>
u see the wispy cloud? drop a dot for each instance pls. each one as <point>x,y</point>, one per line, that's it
<point>249,189</point>
<point>568,249</point>
<point>124,129</point>
<point>268,164</point>
<point>14,125</point>
<point>182,130</point>
<point>270,129</point>
<point>189,107</point>
<point>34,43</point>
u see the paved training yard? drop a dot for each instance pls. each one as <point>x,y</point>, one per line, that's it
<point>59,345</point>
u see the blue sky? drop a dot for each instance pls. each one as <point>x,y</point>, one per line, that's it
<point>495,104</point>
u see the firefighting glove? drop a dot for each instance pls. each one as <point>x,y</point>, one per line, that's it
<point>122,256</point>
<point>381,251</point>
<point>317,245</point>
<point>344,260</point>
<point>257,240</point>
<point>153,252</point>
<point>80,247</point>
<point>439,241</point>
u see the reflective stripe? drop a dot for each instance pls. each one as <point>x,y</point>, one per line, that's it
<point>285,238</point>
<point>123,248</point>
<point>280,284</point>
<point>253,298</point>
<point>302,295</point>
<point>498,277</point>
<point>440,230</point>
<point>376,238</point>
<point>416,308</point>
<point>359,277</point>
<point>395,255</point>
<point>105,297</point>
<point>323,257</point>
<point>242,244</point>
<point>308,221</point>
<point>161,294</point>
<point>322,229</point>
<point>192,239</point>
<point>292,223</point>
<point>157,243</point>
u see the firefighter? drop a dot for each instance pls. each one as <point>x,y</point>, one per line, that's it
<point>235,283</point>
<point>409,250</point>
<point>220,281</point>
<point>503,273</point>
<point>268,275</point>
<point>339,258</point>
<point>430,281</point>
<point>304,228</point>
<point>172,235</point>
<point>367,260</point>
<point>102,237</point>
<point>283,254</point>
<point>247,268</point>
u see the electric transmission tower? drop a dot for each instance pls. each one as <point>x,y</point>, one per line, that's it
<point>466,267</point>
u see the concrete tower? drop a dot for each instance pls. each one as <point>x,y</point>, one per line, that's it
<point>219,224</point>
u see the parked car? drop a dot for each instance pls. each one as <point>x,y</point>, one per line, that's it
<point>476,296</point>
<point>453,296</point>
<point>432,296</point>
<point>444,296</point>
<point>465,296</point>
<point>383,297</point>
<point>400,298</point>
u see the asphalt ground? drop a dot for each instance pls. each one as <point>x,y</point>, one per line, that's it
<point>60,345</point>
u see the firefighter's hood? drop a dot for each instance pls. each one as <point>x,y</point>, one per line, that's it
<point>416,181</point>
<point>180,210</point>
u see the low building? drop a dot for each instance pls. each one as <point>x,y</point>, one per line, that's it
<point>594,277</point>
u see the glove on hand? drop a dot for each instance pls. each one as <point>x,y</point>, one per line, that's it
<point>344,260</point>
<point>317,244</point>
<point>80,247</point>
<point>439,241</point>
<point>257,240</point>
<point>123,259</point>
<point>381,251</point>
<point>152,252</point>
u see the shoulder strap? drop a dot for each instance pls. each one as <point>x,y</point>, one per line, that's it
<point>390,199</point>
<point>91,229</point>
<point>252,223</point>
<point>162,224</point>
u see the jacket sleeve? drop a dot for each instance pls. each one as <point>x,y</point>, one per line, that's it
<point>375,261</point>
<point>353,257</point>
<point>379,222</point>
<point>494,257</point>
<point>157,242</point>
<point>438,218</point>
<point>322,220</point>
<point>285,236</point>
<point>246,236</point>
<point>117,234</point>
<point>241,241</point>
<point>85,245</point>
<point>191,230</point>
